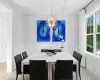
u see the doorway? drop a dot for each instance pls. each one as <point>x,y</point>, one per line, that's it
<point>5,28</point>
<point>2,34</point>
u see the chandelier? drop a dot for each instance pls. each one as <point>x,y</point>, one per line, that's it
<point>51,20</point>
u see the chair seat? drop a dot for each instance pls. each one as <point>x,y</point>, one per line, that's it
<point>26,69</point>
<point>74,67</point>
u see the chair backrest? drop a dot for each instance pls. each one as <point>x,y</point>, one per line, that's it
<point>75,55</point>
<point>18,59</point>
<point>48,50</point>
<point>44,50</point>
<point>57,50</point>
<point>24,54</point>
<point>79,58</point>
<point>63,70</point>
<point>38,70</point>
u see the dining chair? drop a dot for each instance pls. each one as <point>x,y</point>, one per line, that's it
<point>25,67</point>
<point>57,50</point>
<point>75,55</point>
<point>24,54</point>
<point>64,70</point>
<point>78,57</point>
<point>79,63</point>
<point>18,59</point>
<point>38,70</point>
<point>44,50</point>
<point>48,50</point>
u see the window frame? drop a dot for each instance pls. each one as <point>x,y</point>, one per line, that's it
<point>86,34</point>
<point>94,32</point>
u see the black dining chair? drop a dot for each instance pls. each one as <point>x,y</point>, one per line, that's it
<point>79,63</point>
<point>24,54</point>
<point>25,67</point>
<point>75,55</point>
<point>38,70</point>
<point>44,50</point>
<point>64,70</point>
<point>48,50</point>
<point>78,57</point>
<point>57,50</point>
<point>18,59</point>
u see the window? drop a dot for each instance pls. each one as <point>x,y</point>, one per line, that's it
<point>90,34</point>
<point>93,33</point>
<point>98,32</point>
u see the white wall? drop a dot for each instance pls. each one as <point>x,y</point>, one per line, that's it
<point>9,41</point>
<point>15,23</point>
<point>2,36</point>
<point>30,36</point>
<point>17,35</point>
<point>81,32</point>
<point>72,32</point>
<point>81,36</point>
<point>92,62</point>
<point>23,32</point>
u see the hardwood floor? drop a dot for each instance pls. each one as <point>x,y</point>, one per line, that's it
<point>85,74</point>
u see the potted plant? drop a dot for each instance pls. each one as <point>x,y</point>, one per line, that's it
<point>90,48</point>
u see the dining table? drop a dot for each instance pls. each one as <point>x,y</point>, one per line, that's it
<point>50,59</point>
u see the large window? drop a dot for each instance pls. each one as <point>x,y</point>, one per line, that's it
<point>93,33</point>
<point>90,34</point>
<point>98,32</point>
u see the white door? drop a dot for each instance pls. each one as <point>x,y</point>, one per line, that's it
<point>2,40</point>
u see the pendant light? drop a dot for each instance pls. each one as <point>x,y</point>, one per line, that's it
<point>51,20</point>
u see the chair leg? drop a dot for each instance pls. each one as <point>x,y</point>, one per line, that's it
<point>76,75</point>
<point>16,76</point>
<point>79,76</point>
<point>79,73</point>
<point>23,76</point>
<point>76,72</point>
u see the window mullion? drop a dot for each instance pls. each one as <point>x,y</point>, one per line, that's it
<point>94,34</point>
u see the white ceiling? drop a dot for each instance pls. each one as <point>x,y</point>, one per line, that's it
<point>3,8</point>
<point>44,6</point>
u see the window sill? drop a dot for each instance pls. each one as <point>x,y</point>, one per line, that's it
<point>92,54</point>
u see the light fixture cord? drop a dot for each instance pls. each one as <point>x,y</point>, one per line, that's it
<point>65,2</point>
<point>51,8</point>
